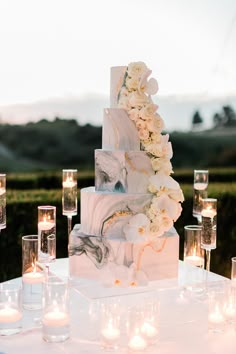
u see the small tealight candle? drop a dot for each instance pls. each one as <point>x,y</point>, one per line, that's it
<point>110,333</point>
<point>8,315</point>
<point>33,277</point>
<point>69,183</point>
<point>149,330</point>
<point>56,318</point>
<point>195,260</point>
<point>137,343</point>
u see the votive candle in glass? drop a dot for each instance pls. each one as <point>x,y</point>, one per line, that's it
<point>47,233</point>
<point>209,223</point>
<point>55,318</point>
<point>2,201</point>
<point>32,273</point>
<point>69,192</point>
<point>110,325</point>
<point>10,308</point>
<point>200,184</point>
<point>193,253</point>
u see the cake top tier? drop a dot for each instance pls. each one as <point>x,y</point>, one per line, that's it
<point>131,81</point>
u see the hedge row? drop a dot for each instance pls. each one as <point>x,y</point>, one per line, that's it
<point>22,220</point>
<point>53,180</point>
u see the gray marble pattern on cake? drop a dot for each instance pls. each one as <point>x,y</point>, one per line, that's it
<point>120,171</point>
<point>117,74</point>
<point>97,249</point>
<point>119,132</point>
<point>110,171</point>
<point>105,213</point>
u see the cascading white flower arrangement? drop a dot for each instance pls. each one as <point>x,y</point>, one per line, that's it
<point>165,207</point>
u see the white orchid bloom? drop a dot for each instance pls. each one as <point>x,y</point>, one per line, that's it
<point>137,229</point>
<point>160,181</point>
<point>167,206</point>
<point>150,87</point>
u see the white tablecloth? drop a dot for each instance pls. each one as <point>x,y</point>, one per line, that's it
<point>183,325</point>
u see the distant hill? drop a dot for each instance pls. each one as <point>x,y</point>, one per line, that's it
<point>177,111</point>
<point>63,143</point>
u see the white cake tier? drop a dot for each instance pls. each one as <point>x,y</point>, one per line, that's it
<point>119,132</point>
<point>122,171</point>
<point>106,213</point>
<point>116,80</point>
<point>93,257</point>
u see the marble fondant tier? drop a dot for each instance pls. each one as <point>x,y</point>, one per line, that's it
<point>95,257</point>
<point>106,213</point>
<point>116,80</point>
<point>119,131</point>
<point>121,171</point>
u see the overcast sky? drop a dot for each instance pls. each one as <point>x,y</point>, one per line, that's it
<point>60,48</point>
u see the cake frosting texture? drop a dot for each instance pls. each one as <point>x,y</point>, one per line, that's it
<point>127,218</point>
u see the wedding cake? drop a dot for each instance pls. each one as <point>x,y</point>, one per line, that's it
<point>126,235</point>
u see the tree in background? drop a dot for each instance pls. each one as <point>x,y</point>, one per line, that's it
<point>226,118</point>
<point>197,121</point>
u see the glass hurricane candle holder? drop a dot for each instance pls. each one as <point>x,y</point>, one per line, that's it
<point>47,233</point>
<point>200,184</point>
<point>216,315</point>
<point>209,227</point>
<point>230,304</point>
<point>55,318</point>
<point>10,308</point>
<point>69,195</point>
<point>32,273</point>
<point>110,325</point>
<point>150,323</point>
<point>233,271</point>
<point>137,331</point>
<point>193,253</point>
<point>2,201</point>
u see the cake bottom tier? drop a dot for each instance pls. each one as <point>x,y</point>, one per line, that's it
<point>115,262</point>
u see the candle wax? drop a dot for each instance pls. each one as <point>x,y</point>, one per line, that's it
<point>111,333</point>
<point>2,191</point>
<point>216,317</point>
<point>194,260</point>
<point>68,184</point>
<point>208,213</point>
<point>45,225</point>
<point>56,318</point>
<point>8,315</point>
<point>200,186</point>
<point>33,277</point>
<point>149,330</point>
<point>137,343</point>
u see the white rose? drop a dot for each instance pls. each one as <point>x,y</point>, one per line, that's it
<point>132,83</point>
<point>137,100</point>
<point>148,111</point>
<point>134,114</point>
<point>136,69</point>
<point>124,103</point>
<point>143,134</point>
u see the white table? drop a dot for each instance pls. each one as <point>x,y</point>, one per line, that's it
<point>183,321</point>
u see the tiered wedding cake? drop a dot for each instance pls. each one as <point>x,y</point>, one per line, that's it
<point>126,236</point>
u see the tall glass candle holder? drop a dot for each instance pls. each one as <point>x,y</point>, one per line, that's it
<point>2,201</point>
<point>233,271</point>
<point>55,319</point>
<point>32,273</point>
<point>209,227</point>
<point>69,195</point>
<point>47,233</point>
<point>200,184</point>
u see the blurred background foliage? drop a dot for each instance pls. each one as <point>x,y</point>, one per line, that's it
<point>33,156</point>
